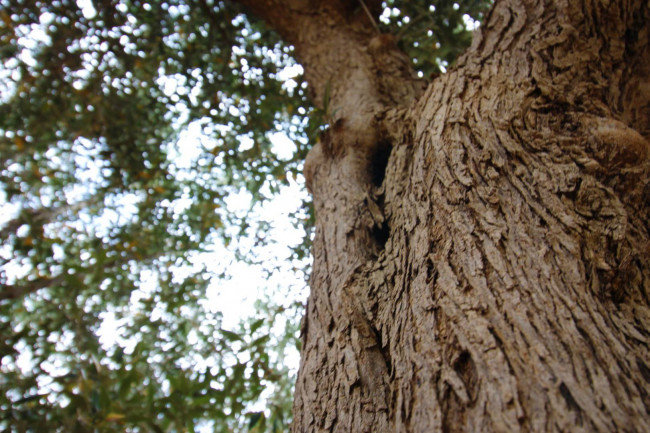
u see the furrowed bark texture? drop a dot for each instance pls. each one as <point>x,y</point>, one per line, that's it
<point>481,259</point>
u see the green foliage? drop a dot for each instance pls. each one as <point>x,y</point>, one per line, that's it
<point>433,33</point>
<point>126,128</point>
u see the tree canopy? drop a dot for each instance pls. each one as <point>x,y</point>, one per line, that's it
<point>102,219</point>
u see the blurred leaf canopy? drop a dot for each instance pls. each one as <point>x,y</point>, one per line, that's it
<point>126,129</point>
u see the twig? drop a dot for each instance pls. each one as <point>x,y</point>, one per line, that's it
<point>372,20</point>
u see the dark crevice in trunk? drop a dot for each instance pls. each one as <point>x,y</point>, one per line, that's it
<point>572,404</point>
<point>383,351</point>
<point>381,234</point>
<point>379,162</point>
<point>466,370</point>
<point>645,371</point>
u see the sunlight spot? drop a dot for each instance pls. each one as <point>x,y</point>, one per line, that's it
<point>282,146</point>
<point>245,143</point>
<point>470,23</point>
<point>290,72</point>
<point>87,8</point>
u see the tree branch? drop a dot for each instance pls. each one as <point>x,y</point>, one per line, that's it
<point>43,216</point>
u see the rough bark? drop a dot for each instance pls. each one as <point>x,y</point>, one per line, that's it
<point>481,259</point>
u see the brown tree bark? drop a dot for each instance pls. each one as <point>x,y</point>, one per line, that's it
<point>482,252</point>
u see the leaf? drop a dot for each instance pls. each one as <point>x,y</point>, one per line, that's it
<point>114,417</point>
<point>95,400</point>
<point>126,383</point>
<point>256,325</point>
<point>260,341</point>
<point>256,420</point>
<point>231,336</point>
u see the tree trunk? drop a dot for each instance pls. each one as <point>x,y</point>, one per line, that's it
<point>481,259</point>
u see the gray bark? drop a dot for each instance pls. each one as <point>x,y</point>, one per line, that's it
<point>481,259</point>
